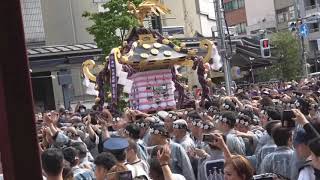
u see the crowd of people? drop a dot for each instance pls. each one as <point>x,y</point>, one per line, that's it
<point>260,132</point>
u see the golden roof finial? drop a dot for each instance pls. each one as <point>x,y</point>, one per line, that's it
<point>146,8</point>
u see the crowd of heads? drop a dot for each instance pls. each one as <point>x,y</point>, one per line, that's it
<point>258,132</point>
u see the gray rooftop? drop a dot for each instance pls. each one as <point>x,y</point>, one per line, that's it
<point>61,49</point>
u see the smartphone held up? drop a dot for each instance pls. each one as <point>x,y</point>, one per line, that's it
<point>287,119</point>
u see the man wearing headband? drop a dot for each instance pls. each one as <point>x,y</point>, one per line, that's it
<point>168,121</point>
<point>228,105</point>
<point>207,127</point>
<point>226,123</point>
<point>133,132</point>
<point>180,162</point>
<point>181,135</point>
<point>243,123</point>
<point>196,131</point>
<point>144,124</point>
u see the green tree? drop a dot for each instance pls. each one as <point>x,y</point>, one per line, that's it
<point>109,28</point>
<point>287,50</point>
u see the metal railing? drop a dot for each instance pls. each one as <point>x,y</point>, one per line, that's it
<point>313,30</point>
<point>316,6</point>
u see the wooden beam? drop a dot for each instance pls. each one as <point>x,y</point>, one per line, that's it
<point>19,149</point>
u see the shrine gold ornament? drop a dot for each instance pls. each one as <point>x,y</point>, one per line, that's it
<point>86,67</point>
<point>146,8</point>
<point>148,54</point>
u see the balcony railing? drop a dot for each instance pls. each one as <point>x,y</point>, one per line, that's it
<point>312,7</point>
<point>314,30</point>
<point>312,10</point>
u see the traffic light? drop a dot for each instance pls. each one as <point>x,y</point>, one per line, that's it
<point>265,48</point>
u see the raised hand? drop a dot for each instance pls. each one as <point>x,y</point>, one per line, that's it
<point>218,141</point>
<point>201,153</point>
<point>47,118</point>
<point>300,118</point>
<point>87,120</point>
<point>164,154</point>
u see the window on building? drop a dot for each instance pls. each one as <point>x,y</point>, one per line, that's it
<point>283,15</point>
<point>241,28</point>
<point>228,6</point>
<point>235,4</point>
<point>314,27</point>
<point>280,18</point>
<point>313,46</point>
<point>241,3</point>
<point>291,13</point>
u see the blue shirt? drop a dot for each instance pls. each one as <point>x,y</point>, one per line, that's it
<point>278,162</point>
<point>268,148</point>
<point>186,142</point>
<point>235,144</point>
<point>82,174</point>
<point>180,161</point>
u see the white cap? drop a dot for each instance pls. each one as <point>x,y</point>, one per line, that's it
<point>162,114</point>
<point>180,122</point>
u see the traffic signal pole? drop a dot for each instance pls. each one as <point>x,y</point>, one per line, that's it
<point>220,20</point>
<point>304,58</point>
<point>301,45</point>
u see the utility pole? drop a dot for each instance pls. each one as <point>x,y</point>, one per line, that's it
<point>220,21</point>
<point>304,58</point>
<point>298,17</point>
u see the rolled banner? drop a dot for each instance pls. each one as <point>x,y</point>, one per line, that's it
<point>90,87</point>
<point>128,86</point>
<point>119,68</point>
<point>216,60</point>
<point>122,78</point>
<point>113,79</point>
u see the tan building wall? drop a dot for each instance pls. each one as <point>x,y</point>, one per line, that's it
<point>236,17</point>
<point>260,15</point>
<point>186,13</point>
<point>282,4</point>
<point>63,21</point>
<point>183,13</point>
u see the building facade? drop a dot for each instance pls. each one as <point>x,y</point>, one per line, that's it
<point>286,13</point>
<point>235,15</point>
<point>63,21</point>
<point>56,30</point>
<point>260,16</point>
<point>194,16</point>
<point>58,43</point>
<point>310,13</point>
<point>33,22</point>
